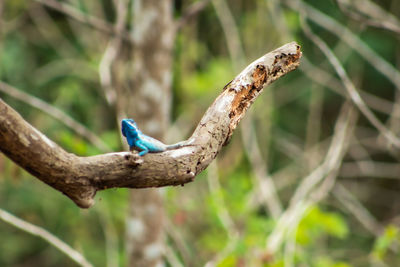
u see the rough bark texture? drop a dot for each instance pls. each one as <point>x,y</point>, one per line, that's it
<point>81,177</point>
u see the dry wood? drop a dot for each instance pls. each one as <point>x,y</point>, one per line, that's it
<point>80,178</point>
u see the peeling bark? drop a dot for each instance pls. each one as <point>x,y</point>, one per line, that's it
<point>80,178</point>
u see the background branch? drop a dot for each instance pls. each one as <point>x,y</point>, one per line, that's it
<point>55,113</point>
<point>78,15</point>
<point>352,91</point>
<point>47,236</point>
<point>190,13</point>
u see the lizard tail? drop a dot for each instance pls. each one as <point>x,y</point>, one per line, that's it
<point>180,144</point>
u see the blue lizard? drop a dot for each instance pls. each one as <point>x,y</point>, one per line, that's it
<point>139,141</point>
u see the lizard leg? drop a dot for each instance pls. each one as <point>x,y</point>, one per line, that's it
<point>144,149</point>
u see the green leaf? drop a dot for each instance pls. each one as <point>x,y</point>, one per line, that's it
<point>229,261</point>
<point>318,223</point>
<point>383,243</point>
<point>328,262</point>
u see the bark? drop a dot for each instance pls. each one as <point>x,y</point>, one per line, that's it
<point>80,178</point>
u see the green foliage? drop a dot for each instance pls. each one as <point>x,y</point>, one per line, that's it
<point>292,20</point>
<point>328,262</point>
<point>72,143</point>
<point>389,238</point>
<point>229,261</point>
<point>318,223</point>
<point>205,82</point>
<point>56,59</point>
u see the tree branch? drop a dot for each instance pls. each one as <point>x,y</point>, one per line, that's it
<point>47,236</point>
<point>80,178</point>
<point>92,21</point>
<point>191,12</point>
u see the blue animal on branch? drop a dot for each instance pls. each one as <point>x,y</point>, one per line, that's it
<point>143,143</point>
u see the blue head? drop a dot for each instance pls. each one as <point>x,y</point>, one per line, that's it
<point>130,130</point>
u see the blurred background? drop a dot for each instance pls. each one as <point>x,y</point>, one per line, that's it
<point>310,178</point>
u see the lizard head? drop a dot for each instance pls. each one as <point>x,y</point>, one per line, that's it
<point>129,125</point>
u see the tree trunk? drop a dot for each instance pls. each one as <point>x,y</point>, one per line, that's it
<point>147,99</point>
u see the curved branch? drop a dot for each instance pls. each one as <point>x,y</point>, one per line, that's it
<point>80,178</point>
<point>47,236</point>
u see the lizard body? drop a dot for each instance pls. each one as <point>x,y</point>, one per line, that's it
<point>143,143</point>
